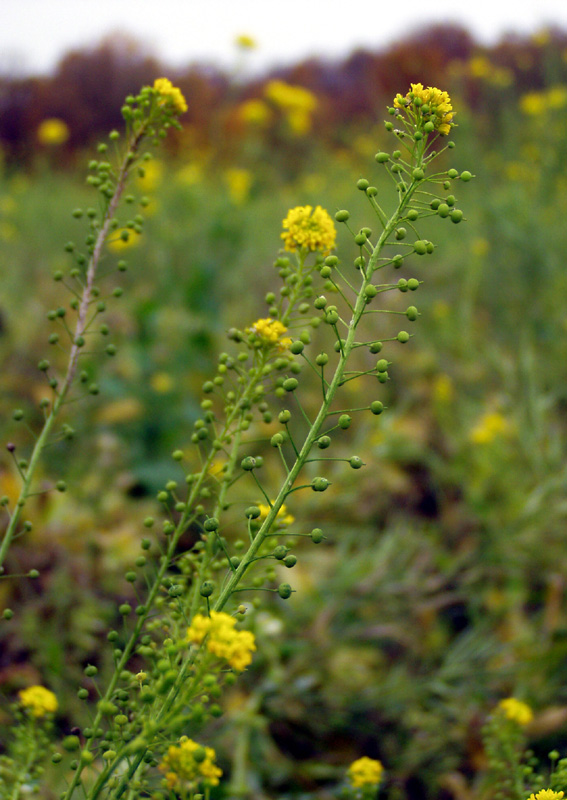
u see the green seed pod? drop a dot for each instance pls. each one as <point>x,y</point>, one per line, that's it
<point>290,385</point>
<point>452,173</point>
<point>7,613</point>
<point>360,239</point>
<point>375,347</point>
<point>320,302</point>
<point>443,210</point>
<point>376,407</point>
<point>331,317</point>
<point>339,345</point>
<point>403,285</point>
<point>382,365</point>
<point>297,347</point>
<point>71,743</point>
<point>435,204</point>
<point>400,233</point>
<point>356,462</point>
<point>344,421</point>
<point>248,463</point>
<point>211,524</point>
<point>451,200</point>
<point>418,174</point>
<point>430,247</point>
<point>372,191</point>
<point>280,552</point>
<point>403,337</point>
<point>61,486</point>
<point>320,484</point>
<point>18,414</point>
<point>43,365</point>
<point>456,215</point>
<point>284,590</point>
<point>290,561</point>
<point>413,284</point>
<point>412,214</point>
<point>381,157</point>
<point>323,442</point>
<point>56,758</point>
<point>316,535</point>
<point>207,588</point>
<point>412,313</point>
<point>342,216</point>
<point>322,359</point>
<point>383,377</point>
<point>362,184</point>
<point>326,272</point>
<point>420,247</point>
<point>466,176</point>
<point>429,127</point>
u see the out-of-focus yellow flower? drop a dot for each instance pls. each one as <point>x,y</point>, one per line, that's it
<point>52,132</point>
<point>443,389</point>
<point>546,794</point>
<point>222,640</point>
<point>290,97</point>
<point>270,331</point>
<point>117,245</point>
<point>124,410</point>
<point>170,95</point>
<point>189,764</point>
<point>239,182</point>
<point>542,37</point>
<point>431,104</point>
<point>190,174</point>
<point>245,42</point>
<point>283,519</point>
<point>365,772</point>
<point>38,700</point>
<point>161,382</point>
<point>153,176</point>
<point>536,104</point>
<point>479,67</point>
<point>299,121</point>
<point>308,229</point>
<point>489,427</point>
<point>515,710</point>
<point>254,112</point>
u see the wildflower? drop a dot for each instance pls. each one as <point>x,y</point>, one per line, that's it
<point>222,640</point>
<point>185,767</point>
<point>38,700</point>
<point>270,332</point>
<point>245,42</point>
<point>546,794</point>
<point>283,519</point>
<point>239,182</point>
<point>308,231</point>
<point>170,95</point>
<point>490,426</point>
<point>516,710</point>
<point>254,112</point>
<point>428,105</point>
<point>290,98</point>
<point>52,132</point>
<point>365,772</point>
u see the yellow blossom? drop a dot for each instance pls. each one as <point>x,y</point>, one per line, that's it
<point>283,519</point>
<point>490,426</point>
<point>516,710</point>
<point>365,772</point>
<point>239,182</point>
<point>546,794</point>
<point>245,42</point>
<point>270,331</point>
<point>290,97</point>
<point>254,112</point>
<point>52,131</point>
<point>479,67</point>
<point>124,242</point>
<point>430,105</point>
<point>308,229</point>
<point>170,95</point>
<point>189,764</point>
<point>222,640</point>
<point>38,700</point>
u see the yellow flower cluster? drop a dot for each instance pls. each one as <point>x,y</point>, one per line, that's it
<point>365,772</point>
<point>431,104</point>
<point>489,427</point>
<point>254,112</point>
<point>283,519</point>
<point>52,132</point>
<point>308,229</point>
<point>223,641</point>
<point>297,103</point>
<point>188,764</point>
<point>170,95</point>
<point>38,700</point>
<point>536,104</point>
<point>245,42</point>
<point>546,794</point>
<point>516,710</point>
<point>271,332</point>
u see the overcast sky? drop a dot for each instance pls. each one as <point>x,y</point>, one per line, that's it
<point>35,33</point>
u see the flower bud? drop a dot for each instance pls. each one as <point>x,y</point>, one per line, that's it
<point>248,463</point>
<point>362,184</point>
<point>323,442</point>
<point>420,247</point>
<point>344,421</point>
<point>465,176</point>
<point>456,215</point>
<point>284,590</point>
<point>412,313</point>
<point>356,462</point>
<point>382,365</point>
<point>290,385</point>
<point>403,337</point>
<point>317,535</point>
<point>376,407</point>
<point>320,484</point>
<point>342,216</point>
<point>290,561</point>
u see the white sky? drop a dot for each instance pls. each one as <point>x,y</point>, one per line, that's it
<point>35,33</point>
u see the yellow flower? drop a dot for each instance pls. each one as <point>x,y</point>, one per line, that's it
<point>239,182</point>
<point>245,42</point>
<point>546,794</point>
<point>188,765</point>
<point>117,245</point>
<point>170,95</point>
<point>516,710</point>
<point>52,131</point>
<point>223,641</point>
<point>254,112</point>
<point>304,230</point>
<point>270,332</point>
<point>489,427</point>
<point>365,772</point>
<point>290,98</point>
<point>38,700</point>
<point>429,105</point>
<point>480,67</point>
<point>283,519</point>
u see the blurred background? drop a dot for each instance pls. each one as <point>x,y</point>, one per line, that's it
<point>441,585</point>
